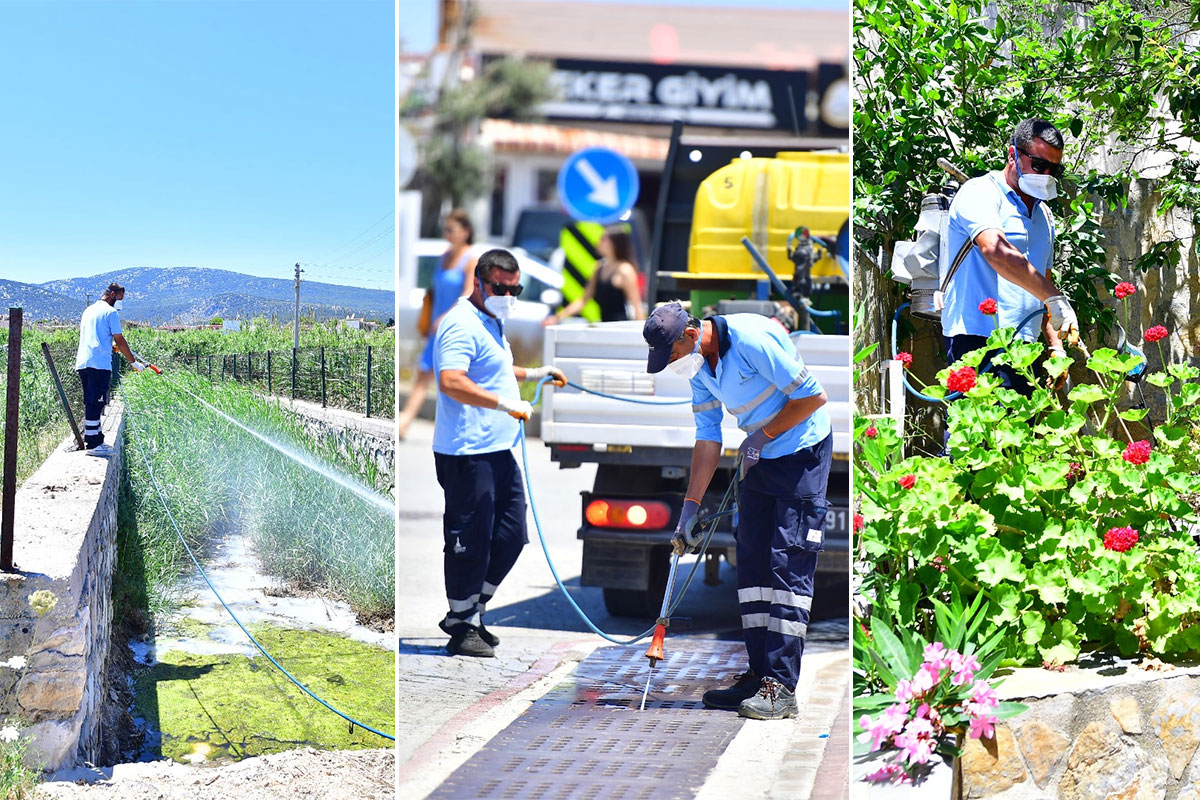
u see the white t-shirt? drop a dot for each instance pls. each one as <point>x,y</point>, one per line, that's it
<point>99,324</point>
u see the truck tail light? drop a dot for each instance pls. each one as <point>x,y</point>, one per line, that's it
<point>638,514</point>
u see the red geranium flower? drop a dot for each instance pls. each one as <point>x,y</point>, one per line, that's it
<point>1120,539</point>
<point>1157,333</point>
<point>871,432</point>
<point>988,307</point>
<point>1137,452</point>
<point>1074,471</point>
<point>961,380</point>
<point>858,522</point>
<point>1124,289</point>
<point>908,481</point>
<point>904,358</point>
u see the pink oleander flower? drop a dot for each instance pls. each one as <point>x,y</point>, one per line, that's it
<point>916,741</point>
<point>982,727</point>
<point>888,773</point>
<point>1124,289</point>
<point>964,669</point>
<point>889,723</point>
<point>937,655</point>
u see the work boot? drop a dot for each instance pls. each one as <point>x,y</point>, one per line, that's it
<point>465,641</point>
<point>730,699</point>
<point>772,701</point>
<point>484,633</point>
<point>488,636</point>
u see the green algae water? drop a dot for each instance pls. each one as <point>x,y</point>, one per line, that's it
<point>229,706</point>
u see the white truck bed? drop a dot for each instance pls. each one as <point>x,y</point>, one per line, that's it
<point>611,357</point>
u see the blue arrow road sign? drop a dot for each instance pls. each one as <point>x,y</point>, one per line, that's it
<point>597,185</point>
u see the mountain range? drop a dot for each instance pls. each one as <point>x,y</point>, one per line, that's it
<point>191,295</point>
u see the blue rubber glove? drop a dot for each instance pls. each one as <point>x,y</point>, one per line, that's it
<point>751,450</point>
<point>687,538</point>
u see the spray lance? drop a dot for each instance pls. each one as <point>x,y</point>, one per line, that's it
<point>156,370</point>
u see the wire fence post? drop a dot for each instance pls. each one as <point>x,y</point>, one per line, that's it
<point>295,352</point>
<point>10,439</point>
<point>270,382</point>
<point>368,380</point>
<point>249,367</point>
<point>234,367</point>
<point>62,395</point>
<point>210,367</point>
<point>323,376</point>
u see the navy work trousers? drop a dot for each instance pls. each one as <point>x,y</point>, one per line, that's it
<point>781,528</point>
<point>483,526</point>
<point>95,397</point>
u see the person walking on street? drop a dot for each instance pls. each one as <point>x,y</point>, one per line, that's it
<point>747,363</point>
<point>613,283</point>
<point>1003,219</point>
<point>451,280</point>
<point>99,332</point>
<point>479,412</point>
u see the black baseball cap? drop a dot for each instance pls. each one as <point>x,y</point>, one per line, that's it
<point>663,328</point>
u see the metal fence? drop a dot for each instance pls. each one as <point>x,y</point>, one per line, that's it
<point>358,379</point>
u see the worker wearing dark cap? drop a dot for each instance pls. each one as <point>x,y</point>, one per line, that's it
<point>746,363</point>
<point>99,332</point>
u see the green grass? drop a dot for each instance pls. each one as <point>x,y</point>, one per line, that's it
<point>305,528</point>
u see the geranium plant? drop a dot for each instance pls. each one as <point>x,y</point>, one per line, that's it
<point>1073,531</point>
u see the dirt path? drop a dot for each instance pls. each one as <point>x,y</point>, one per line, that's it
<point>296,774</point>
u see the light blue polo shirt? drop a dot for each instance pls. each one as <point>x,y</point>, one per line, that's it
<point>984,203</point>
<point>469,340</point>
<point>758,371</point>
<point>100,322</point>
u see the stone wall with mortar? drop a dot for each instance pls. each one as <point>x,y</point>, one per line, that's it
<point>1092,734</point>
<point>354,433</point>
<point>65,543</point>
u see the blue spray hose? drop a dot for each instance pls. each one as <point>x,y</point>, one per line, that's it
<point>904,373</point>
<point>537,523</point>
<point>162,498</point>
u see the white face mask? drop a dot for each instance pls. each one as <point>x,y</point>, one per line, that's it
<point>500,306</point>
<point>1043,187</point>
<point>119,304</point>
<point>688,366</point>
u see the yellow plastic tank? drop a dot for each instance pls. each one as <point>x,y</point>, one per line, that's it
<point>767,199</point>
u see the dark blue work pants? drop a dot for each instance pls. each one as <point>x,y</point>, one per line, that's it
<point>781,528</point>
<point>483,527</point>
<point>95,397</point>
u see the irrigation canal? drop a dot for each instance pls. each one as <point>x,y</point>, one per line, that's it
<point>556,711</point>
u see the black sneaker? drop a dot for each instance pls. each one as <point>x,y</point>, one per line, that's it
<point>730,699</point>
<point>772,701</point>
<point>466,642</point>
<point>488,636</point>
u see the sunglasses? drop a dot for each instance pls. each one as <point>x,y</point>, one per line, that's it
<point>1043,166</point>
<point>501,289</point>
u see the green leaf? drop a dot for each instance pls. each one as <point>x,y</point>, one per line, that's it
<point>1134,414</point>
<point>865,353</point>
<point>1086,393</point>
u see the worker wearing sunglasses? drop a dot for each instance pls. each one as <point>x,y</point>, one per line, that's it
<point>1005,228</point>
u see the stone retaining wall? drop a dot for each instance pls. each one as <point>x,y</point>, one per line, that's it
<point>64,543</point>
<point>354,433</point>
<point>1110,732</point>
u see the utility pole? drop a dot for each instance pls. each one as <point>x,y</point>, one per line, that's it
<point>296,330</point>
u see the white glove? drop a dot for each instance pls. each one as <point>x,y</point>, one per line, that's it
<point>137,366</point>
<point>537,373</point>
<point>517,409</point>
<point>1063,319</point>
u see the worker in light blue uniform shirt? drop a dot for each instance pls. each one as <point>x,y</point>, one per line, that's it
<point>746,363</point>
<point>479,413</point>
<point>1005,216</point>
<point>99,333</point>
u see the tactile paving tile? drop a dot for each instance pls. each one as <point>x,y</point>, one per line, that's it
<point>586,739</point>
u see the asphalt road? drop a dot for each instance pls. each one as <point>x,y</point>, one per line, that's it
<point>449,707</point>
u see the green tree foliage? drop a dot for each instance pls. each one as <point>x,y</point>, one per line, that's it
<point>943,79</point>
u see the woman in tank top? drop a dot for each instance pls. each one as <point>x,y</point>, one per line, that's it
<point>454,278</point>
<point>614,281</point>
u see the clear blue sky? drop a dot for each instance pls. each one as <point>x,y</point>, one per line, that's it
<point>419,18</point>
<point>244,135</point>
